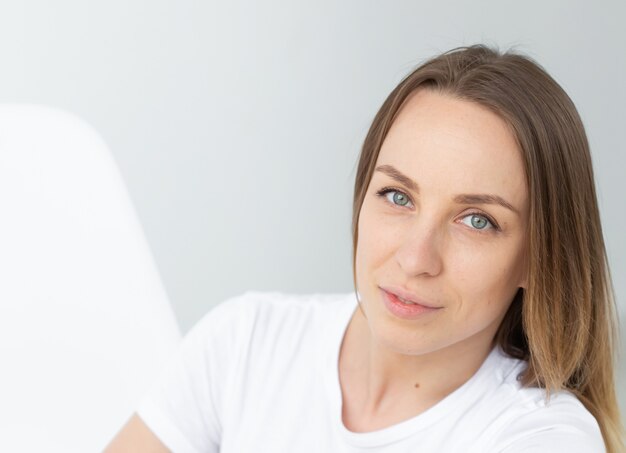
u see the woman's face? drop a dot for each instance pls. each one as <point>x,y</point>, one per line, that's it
<point>444,220</point>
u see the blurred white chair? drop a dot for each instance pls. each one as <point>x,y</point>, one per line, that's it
<point>84,319</point>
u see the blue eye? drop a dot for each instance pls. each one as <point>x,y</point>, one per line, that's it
<point>397,198</point>
<point>478,222</point>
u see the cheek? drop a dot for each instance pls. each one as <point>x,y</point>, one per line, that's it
<point>488,280</point>
<point>377,239</point>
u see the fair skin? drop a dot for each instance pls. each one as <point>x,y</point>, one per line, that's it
<point>435,243</point>
<point>436,240</point>
<point>135,437</point>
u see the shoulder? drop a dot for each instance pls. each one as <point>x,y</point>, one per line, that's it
<point>262,303</point>
<point>258,334</point>
<point>533,422</point>
<point>561,425</point>
<point>255,311</point>
<point>255,343</point>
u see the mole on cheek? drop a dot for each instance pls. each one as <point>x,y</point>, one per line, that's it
<point>417,385</point>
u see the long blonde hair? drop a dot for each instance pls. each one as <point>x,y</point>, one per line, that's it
<point>564,323</point>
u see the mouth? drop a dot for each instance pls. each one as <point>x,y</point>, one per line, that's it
<point>406,297</point>
<point>405,306</point>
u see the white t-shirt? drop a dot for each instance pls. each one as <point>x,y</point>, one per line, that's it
<point>259,373</point>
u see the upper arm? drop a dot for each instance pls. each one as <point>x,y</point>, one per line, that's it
<point>181,410</point>
<point>136,437</point>
<point>183,406</point>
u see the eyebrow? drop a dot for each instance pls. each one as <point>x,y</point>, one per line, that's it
<point>394,173</point>
<point>472,198</point>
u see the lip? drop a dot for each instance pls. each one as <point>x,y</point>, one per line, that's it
<point>398,291</point>
<point>402,310</point>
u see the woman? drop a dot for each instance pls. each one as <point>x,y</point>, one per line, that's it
<point>485,320</point>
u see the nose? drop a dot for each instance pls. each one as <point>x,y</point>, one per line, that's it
<point>420,251</point>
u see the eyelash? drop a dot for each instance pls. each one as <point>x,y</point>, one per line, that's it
<point>385,190</point>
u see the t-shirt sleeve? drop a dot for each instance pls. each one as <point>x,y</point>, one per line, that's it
<point>183,406</point>
<point>556,441</point>
<point>563,428</point>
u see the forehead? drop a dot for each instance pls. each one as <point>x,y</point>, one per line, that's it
<point>446,143</point>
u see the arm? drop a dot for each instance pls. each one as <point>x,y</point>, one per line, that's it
<point>135,437</point>
<point>180,410</point>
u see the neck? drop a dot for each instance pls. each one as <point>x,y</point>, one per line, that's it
<point>383,381</point>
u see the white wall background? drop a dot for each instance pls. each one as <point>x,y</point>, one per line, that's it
<point>237,124</point>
